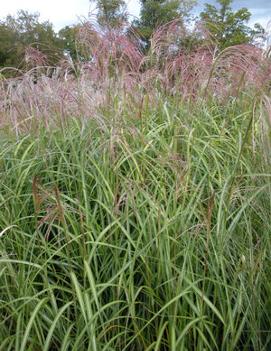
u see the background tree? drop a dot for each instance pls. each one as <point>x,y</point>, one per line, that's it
<point>7,49</point>
<point>68,38</point>
<point>17,33</point>
<point>155,13</point>
<point>227,27</point>
<point>111,13</point>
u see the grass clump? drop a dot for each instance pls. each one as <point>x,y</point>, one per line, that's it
<point>147,232</point>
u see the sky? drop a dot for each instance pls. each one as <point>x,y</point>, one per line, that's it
<point>67,12</point>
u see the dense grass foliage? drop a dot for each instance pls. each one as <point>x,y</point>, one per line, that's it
<point>145,231</point>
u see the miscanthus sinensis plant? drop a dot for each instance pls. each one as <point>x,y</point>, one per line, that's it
<point>135,203</point>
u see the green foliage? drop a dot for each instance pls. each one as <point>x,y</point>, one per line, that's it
<point>227,27</point>
<point>8,55</point>
<point>22,31</point>
<point>69,42</point>
<point>155,13</point>
<point>128,233</point>
<point>111,13</point>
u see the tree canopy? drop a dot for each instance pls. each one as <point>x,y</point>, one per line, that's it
<point>22,31</point>
<point>155,13</point>
<point>111,13</point>
<point>227,27</point>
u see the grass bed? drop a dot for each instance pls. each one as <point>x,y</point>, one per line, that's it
<point>148,233</point>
